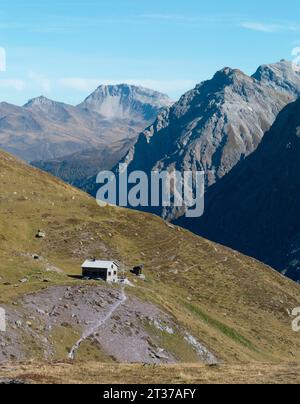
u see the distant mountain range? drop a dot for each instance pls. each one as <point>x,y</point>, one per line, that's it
<point>214,126</point>
<point>255,208</point>
<point>117,114</point>
<point>44,129</point>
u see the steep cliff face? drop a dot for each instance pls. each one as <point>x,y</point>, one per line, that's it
<point>217,124</point>
<point>255,208</point>
<point>126,102</point>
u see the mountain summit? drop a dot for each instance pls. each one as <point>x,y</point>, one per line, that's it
<point>283,75</point>
<point>125,101</point>
<point>39,101</point>
<point>217,124</point>
<point>44,108</point>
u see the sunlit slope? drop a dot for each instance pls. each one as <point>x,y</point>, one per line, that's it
<point>235,305</point>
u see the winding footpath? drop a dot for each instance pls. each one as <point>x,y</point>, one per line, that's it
<point>89,333</point>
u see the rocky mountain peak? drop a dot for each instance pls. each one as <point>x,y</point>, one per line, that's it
<point>214,126</point>
<point>284,75</point>
<point>112,117</point>
<point>39,102</point>
<point>230,72</point>
<point>52,110</point>
<point>125,101</point>
<point>228,76</point>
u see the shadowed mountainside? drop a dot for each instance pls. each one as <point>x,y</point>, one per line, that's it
<point>255,208</point>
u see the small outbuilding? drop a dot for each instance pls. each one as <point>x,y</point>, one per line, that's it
<point>138,270</point>
<point>107,271</point>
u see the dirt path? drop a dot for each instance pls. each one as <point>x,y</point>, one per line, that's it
<point>94,329</point>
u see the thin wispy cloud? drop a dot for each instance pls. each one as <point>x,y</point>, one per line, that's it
<point>40,28</point>
<point>79,83</point>
<point>225,18</point>
<point>166,86</point>
<point>57,25</point>
<point>13,84</point>
<point>40,81</point>
<point>87,84</point>
<point>41,84</point>
<point>33,81</point>
<point>168,17</point>
<point>269,28</point>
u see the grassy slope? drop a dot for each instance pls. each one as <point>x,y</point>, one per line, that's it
<point>95,373</point>
<point>235,305</point>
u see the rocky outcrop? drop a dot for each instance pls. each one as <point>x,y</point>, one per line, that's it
<point>126,102</point>
<point>97,319</point>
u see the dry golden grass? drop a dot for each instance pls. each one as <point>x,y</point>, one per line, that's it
<point>95,373</point>
<point>235,305</point>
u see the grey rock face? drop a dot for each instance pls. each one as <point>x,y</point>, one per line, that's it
<point>126,102</point>
<point>86,311</point>
<point>57,111</point>
<point>281,76</point>
<point>255,208</point>
<point>217,124</point>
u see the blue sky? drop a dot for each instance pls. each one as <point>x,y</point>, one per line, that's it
<point>64,49</point>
